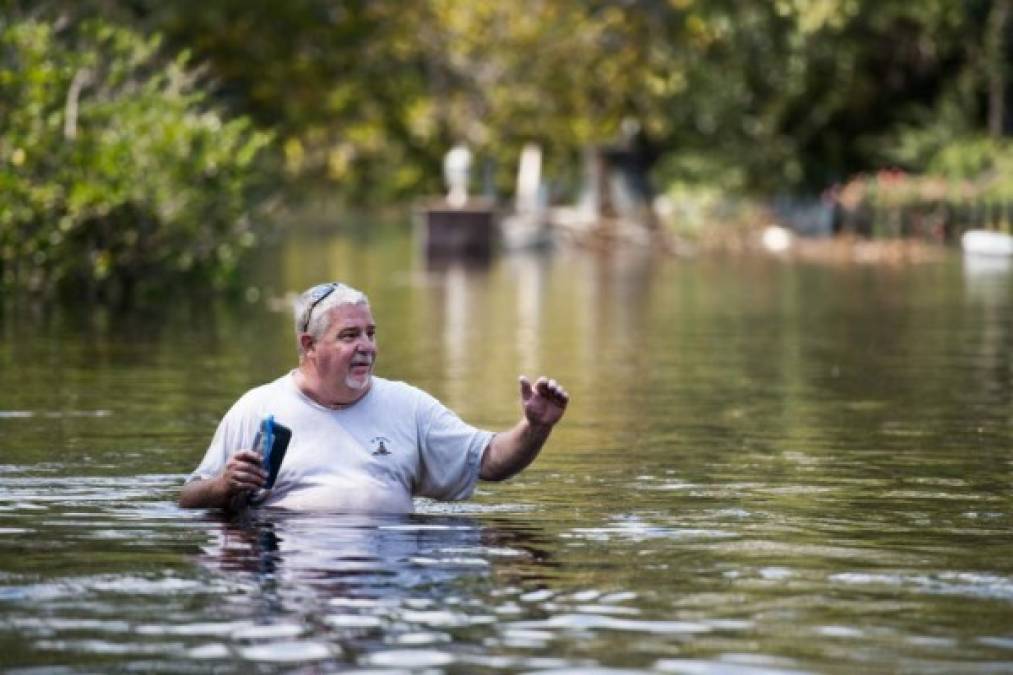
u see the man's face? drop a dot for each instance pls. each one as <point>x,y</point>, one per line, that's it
<point>346,353</point>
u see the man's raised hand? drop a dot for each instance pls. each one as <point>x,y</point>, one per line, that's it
<point>544,402</point>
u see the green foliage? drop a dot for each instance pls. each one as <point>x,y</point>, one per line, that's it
<point>964,169</point>
<point>987,160</point>
<point>115,176</point>
<point>788,93</point>
<point>773,96</point>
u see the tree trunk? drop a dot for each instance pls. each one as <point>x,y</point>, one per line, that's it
<point>995,58</point>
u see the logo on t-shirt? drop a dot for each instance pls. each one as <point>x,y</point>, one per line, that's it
<point>379,445</point>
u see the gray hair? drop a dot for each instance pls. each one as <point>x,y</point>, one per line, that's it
<point>319,319</point>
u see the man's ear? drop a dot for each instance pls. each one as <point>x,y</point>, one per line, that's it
<point>306,341</point>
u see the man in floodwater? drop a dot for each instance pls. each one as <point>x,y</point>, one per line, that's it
<point>360,443</point>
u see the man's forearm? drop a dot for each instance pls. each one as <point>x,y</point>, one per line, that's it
<point>205,493</point>
<point>511,451</point>
<point>241,476</point>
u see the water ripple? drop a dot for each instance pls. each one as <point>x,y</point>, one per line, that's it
<point>595,621</point>
<point>720,667</point>
<point>289,652</point>
<point>970,584</point>
<point>408,658</point>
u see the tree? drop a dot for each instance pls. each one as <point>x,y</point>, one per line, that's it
<point>115,175</point>
<point>786,94</point>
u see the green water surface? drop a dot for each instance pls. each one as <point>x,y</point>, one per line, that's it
<point>768,466</point>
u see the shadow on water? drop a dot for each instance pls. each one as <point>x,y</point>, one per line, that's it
<point>337,557</point>
<point>102,572</point>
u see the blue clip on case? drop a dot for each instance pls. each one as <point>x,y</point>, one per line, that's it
<point>272,441</point>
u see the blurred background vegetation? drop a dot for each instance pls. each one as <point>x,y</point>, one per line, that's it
<point>141,141</point>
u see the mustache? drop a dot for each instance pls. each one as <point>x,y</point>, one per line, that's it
<point>362,361</point>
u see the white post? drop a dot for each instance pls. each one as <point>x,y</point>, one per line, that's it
<point>456,167</point>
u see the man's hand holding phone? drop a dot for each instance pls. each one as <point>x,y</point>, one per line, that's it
<point>244,474</point>
<point>248,475</point>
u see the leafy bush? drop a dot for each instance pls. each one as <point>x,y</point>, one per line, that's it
<point>969,184</point>
<point>988,162</point>
<point>115,176</point>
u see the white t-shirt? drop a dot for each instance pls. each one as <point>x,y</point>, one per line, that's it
<point>394,443</point>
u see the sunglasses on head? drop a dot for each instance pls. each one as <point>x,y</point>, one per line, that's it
<point>316,296</point>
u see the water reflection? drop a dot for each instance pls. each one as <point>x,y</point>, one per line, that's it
<point>353,556</point>
<point>529,271</point>
<point>616,288</point>
<point>458,316</point>
<point>392,587</point>
<point>988,285</point>
<point>987,277</point>
<point>269,587</point>
<point>768,467</point>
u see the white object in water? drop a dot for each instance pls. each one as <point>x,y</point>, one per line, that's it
<point>986,242</point>
<point>529,180</point>
<point>456,167</point>
<point>776,239</point>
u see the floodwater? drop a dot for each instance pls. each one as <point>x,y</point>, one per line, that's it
<point>767,467</point>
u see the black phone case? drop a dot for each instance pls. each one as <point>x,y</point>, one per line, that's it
<point>282,435</point>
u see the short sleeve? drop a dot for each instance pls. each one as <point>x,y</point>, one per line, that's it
<point>235,432</point>
<point>451,452</point>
